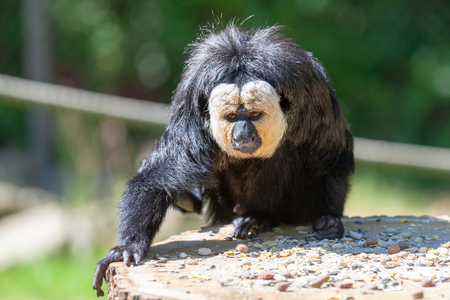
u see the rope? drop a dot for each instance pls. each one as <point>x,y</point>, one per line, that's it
<point>92,102</point>
<point>151,112</point>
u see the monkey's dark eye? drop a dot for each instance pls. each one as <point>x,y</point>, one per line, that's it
<point>232,116</point>
<point>255,114</point>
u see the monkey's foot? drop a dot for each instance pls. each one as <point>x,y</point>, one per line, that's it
<point>131,254</point>
<point>328,227</point>
<point>246,223</point>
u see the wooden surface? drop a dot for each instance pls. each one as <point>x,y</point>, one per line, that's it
<point>224,273</point>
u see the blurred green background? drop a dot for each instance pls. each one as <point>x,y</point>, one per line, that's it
<point>389,62</point>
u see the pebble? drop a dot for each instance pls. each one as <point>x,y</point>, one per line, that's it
<point>319,280</point>
<point>426,282</point>
<point>342,284</point>
<point>390,230</point>
<point>242,248</point>
<point>422,250</point>
<point>355,235</point>
<point>418,294</point>
<point>204,251</point>
<point>337,246</point>
<point>267,275</point>
<point>406,234</point>
<point>393,248</point>
<point>403,245</point>
<point>364,262</point>
<point>418,240</point>
<point>285,273</point>
<point>385,244</point>
<point>371,241</point>
<point>282,286</point>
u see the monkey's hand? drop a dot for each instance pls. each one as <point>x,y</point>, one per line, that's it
<point>131,254</point>
<point>247,222</point>
<point>328,227</point>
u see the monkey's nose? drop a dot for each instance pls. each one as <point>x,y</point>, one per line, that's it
<point>245,137</point>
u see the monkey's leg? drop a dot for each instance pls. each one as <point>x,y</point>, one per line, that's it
<point>142,212</point>
<point>327,196</point>
<point>177,164</point>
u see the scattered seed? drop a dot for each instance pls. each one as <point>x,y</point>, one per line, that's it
<point>371,286</point>
<point>191,262</point>
<point>258,246</point>
<point>182,255</point>
<point>443,251</point>
<point>246,263</point>
<point>242,248</point>
<point>342,263</point>
<point>204,251</point>
<point>279,277</point>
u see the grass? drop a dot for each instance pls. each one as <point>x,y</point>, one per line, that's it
<point>60,276</point>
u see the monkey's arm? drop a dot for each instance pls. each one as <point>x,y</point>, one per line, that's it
<point>176,165</point>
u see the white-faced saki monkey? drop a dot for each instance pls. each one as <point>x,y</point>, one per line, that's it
<point>256,136</point>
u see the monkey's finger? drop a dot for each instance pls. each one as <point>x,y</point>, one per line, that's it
<point>98,278</point>
<point>239,232</point>
<point>242,230</point>
<point>137,258</point>
<point>127,258</point>
<point>336,231</point>
<point>250,224</point>
<point>256,231</point>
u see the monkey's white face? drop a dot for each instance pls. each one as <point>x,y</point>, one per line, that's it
<point>247,122</point>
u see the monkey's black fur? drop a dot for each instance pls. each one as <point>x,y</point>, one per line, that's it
<point>305,181</point>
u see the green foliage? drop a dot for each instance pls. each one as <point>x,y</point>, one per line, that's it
<point>389,60</point>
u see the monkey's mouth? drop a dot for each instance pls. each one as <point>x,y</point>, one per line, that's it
<point>247,146</point>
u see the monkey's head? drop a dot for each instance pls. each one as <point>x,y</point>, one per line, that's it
<point>246,121</point>
<point>250,91</point>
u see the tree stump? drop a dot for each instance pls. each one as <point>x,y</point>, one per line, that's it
<point>290,257</point>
